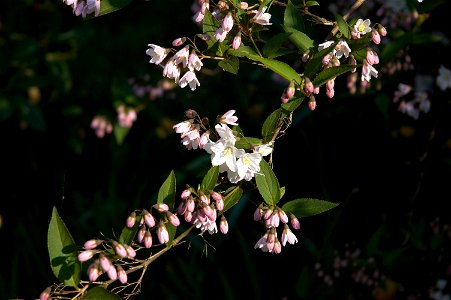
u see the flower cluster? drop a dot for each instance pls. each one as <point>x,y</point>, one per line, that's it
<point>271,216</point>
<point>198,209</point>
<point>238,163</point>
<point>181,62</point>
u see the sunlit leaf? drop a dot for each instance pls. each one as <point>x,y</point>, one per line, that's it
<point>247,143</point>
<point>231,64</point>
<point>306,207</point>
<point>166,193</point>
<point>343,26</point>
<point>63,252</point>
<point>270,125</point>
<point>99,292</point>
<point>210,179</point>
<point>299,39</point>
<point>267,184</point>
<point>232,198</point>
<point>292,18</point>
<point>294,103</point>
<point>108,6</point>
<point>331,73</point>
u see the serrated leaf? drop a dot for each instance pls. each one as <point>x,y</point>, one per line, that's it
<point>166,193</point>
<point>231,64</point>
<point>267,184</point>
<point>63,252</point>
<point>273,45</point>
<point>331,73</point>
<point>306,207</point>
<point>210,179</point>
<point>294,103</point>
<point>292,18</point>
<point>108,6</point>
<point>270,124</point>
<point>299,39</point>
<point>97,293</point>
<point>343,26</point>
<point>247,143</point>
<point>232,198</point>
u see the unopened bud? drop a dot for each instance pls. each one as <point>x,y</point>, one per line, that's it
<point>178,42</point>
<point>105,263</point>
<point>121,274</point>
<point>162,233</point>
<point>382,31</point>
<point>191,114</point>
<point>161,207</point>
<point>92,244</point>
<point>94,271</point>
<point>45,295</point>
<point>148,218</point>
<point>236,41</point>
<point>244,5</point>
<point>147,239</point>
<point>223,225</point>
<point>375,37</point>
<point>173,219</point>
<point>130,251</point>
<point>112,273</point>
<point>185,194</point>
<point>295,222</point>
<point>312,103</point>
<point>290,90</point>
<point>131,220</point>
<point>141,233</point>
<point>86,255</point>
<point>119,249</point>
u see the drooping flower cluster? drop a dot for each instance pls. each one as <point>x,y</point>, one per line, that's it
<point>182,62</point>
<point>272,217</point>
<point>84,7</point>
<point>238,163</point>
<point>198,209</point>
<point>414,99</point>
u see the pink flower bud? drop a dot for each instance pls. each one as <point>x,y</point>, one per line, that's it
<point>283,216</point>
<point>173,219</point>
<point>141,233</point>
<point>223,225</point>
<point>258,213</point>
<point>112,273</point>
<point>236,43</point>
<point>45,295</point>
<point>244,5</point>
<point>188,216</point>
<point>268,214</point>
<point>215,195</point>
<point>190,114</point>
<point>185,194</point>
<point>190,204</point>
<point>220,204</point>
<point>382,31</point>
<point>131,220</point>
<point>92,244</point>
<point>121,274</point>
<point>147,239</point>
<point>290,90</point>
<point>182,208</point>
<point>130,251</point>
<point>120,249</point>
<point>178,42</point>
<point>204,198</point>
<point>277,247</point>
<point>86,255</point>
<point>294,222</point>
<point>162,233</point>
<point>161,207</point>
<point>149,219</point>
<point>94,271</point>
<point>210,212</point>
<point>105,263</point>
<point>375,37</point>
<point>308,85</point>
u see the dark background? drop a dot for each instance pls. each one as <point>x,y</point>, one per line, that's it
<point>389,172</point>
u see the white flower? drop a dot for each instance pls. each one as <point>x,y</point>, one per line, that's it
<point>225,133</point>
<point>264,149</point>
<point>247,165</point>
<point>444,78</point>
<point>226,154</point>
<point>229,118</point>
<point>181,57</point>
<point>368,71</point>
<point>362,27</point>
<point>189,79</point>
<point>325,45</point>
<point>341,49</point>
<point>194,63</point>
<point>157,53</point>
<point>171,70</point>
<point>261,17</point>
<point>288,236</point>
<point>220,34</point>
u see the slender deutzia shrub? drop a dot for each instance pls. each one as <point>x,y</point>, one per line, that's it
<point>230,33</point>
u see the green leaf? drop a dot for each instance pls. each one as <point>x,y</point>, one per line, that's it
<point>232,198</point>
<point>311,3</point>
<point>166,194</point>
<point>247,143</point>
<point>292,18</point>
<point>231,64</point>
<point>331,73</point>
<point>209,26</point>
<point>120,133</point>
<point>294,103</point>
<point>316,62</point>
<point>306,207</point>
<point>210,179</point>
<point>343,26</point>
<point>244,51</point>
<point>267,184</point>
<point>108,6</point>
<point>63,252</point>
<point>273,46</point>
<point>299,39</point>
<point>270,124</point>
<point>128,234</point>
<point>97,293</point>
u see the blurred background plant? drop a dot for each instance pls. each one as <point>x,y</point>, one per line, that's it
<point>87,124</point>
